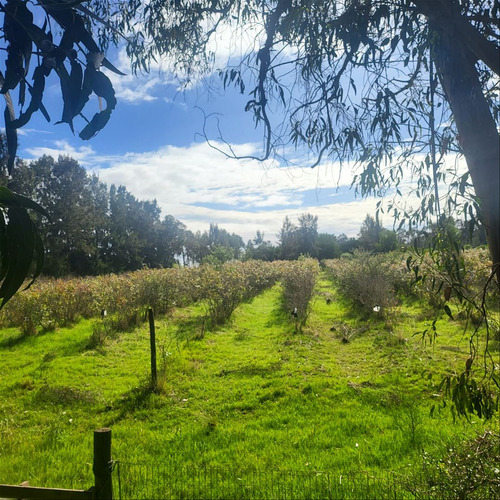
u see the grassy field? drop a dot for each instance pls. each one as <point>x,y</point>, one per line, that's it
<point>251,394</point>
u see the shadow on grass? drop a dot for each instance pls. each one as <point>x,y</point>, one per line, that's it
<point>136,399</point>
<point>18,338</point>
<point>13,340</point>
<point>192,328</point>
<point>252,370</point>
<point>64,395</point>
<point>278,318</point>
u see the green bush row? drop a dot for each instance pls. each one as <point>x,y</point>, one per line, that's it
<point>371,281</point>
<point>226,287</point>
<point>50,304</point>
<point>298,279</point>
<point>57,303</point>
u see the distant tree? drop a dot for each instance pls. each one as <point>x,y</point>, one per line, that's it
<point>288,240</point>
<point>327,246</point>
<point>387,241</point>
<point>307,232</point>
<point>260,249</point>
<point>99,194</point>
<point>198,246</point>
<point>369,233</point>
<point>259,238</point>
<point>218,255</point>
<point>218,237</point>
<point>64,189</point>
<point>374,237</point>
<point>347,245</point>
<point>69,233</point>
<point>472,234</point>
<point>169,238</point>
<point>424,237</point>
<point>130,243</point>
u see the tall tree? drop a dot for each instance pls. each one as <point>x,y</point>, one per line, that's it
<point>328,246</point>
<point>288,240</point>
<point>369,234</point>
<point>307,234</point>
<point>63,188</point>
<point>132,226</point>
<point>170,235</point>
<point>260,249</point>
<point>358,80</point>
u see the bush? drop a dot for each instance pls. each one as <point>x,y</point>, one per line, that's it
<point>369,280</point>
<point>465,275</point>
<point>57,303</point>
<point>470,471</point>
<point>224,288</point>
<point>298,280</point>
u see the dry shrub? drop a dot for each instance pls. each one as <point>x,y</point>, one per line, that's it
<point>465,275</point>
<point>471,470</point>
<point>369,280</point>
<point>298,280</point>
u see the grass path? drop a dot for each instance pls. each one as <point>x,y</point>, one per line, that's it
<point>250,394</point>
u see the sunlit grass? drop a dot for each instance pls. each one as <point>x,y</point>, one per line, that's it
<point>249,394</point>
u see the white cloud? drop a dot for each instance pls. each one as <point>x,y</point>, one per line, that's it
<point>64,148</point>
<point>228,43</point>
<point>142,87</point>
<point>198,185</point>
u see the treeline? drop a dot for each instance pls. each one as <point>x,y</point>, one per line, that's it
<point>97,230</point>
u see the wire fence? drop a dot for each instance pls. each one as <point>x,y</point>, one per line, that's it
<point>140,481</point>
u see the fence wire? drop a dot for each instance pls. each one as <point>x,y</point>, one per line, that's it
<point>140,481</point>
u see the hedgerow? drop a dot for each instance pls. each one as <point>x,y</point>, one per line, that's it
<point>371,281</point>
<point>226,287</point>
<point>51,304</point>
<point>298,279</point>
<point>56,303</point>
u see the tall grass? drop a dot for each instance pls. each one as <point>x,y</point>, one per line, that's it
<point>252,395</point>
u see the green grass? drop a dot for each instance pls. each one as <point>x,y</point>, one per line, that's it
<point>251,394</point>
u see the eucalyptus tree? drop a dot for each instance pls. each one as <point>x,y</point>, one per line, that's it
<point>394,85</point>
<point>40,39</point>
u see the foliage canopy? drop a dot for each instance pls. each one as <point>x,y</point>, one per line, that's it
<point>391,85</point>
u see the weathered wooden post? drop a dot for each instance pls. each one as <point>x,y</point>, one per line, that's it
<point>102,464</point>
<point>152,339</point>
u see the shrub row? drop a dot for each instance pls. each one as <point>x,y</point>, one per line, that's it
<point>57,303</point>
<point>226,287</point>
<point>372,281</point>
<point>464,275</point>
<point>298,279</point>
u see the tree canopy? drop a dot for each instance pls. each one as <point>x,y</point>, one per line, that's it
<point>393,85</point>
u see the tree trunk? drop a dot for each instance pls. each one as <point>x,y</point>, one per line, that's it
<point>476,127</point>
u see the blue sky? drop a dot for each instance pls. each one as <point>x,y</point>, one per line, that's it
<point>153,146</point>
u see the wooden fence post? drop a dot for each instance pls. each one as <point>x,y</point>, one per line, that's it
<point>102,464</point>
<point>152,339</point>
